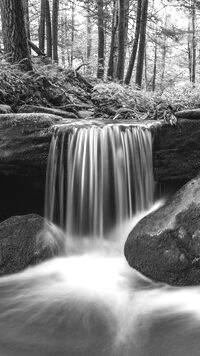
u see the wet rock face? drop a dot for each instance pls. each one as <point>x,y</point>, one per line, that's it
<point>176,151</point>
<point>24,147</point>
<point>165,245</point>
<point>24,143</point>
<point>27,240</point>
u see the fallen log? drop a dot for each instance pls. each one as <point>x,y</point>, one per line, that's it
<point>36,49</point>
<point>193,114</point>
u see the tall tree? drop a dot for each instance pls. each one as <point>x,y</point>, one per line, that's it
<point>55,29</point>
<point>193,72</point>
<point>89,42</point>
<point>142,42</point>
<point>164,52</point>
<point>72,32</point>
<point>48,29</point>
<point>41,32</point>
<point>135,43</point>
<point>155,66</point>
<point>113,43</point>
<point>26,18</point>
<point>14,33</point>
<point>101,39</point>
<point>121,40</point>
<point>63,32</point>
<point>189,49</point>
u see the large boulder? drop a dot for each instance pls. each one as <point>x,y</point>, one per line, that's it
<point>27,240</point>
<point>165,245</point>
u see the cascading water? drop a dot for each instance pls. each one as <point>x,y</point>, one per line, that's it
<point>93,303</point>
<point>98,177</point>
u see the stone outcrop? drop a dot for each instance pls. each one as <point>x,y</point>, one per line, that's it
<point>165,245</point>
<point>25,139</point>
<point>23,242</point>
<point>24,143</point>
<point>176,151</point>
<point>24,147</point>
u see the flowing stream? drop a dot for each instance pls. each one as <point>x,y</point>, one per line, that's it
<point>89,302</point>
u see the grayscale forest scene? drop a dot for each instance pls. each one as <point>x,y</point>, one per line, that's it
<point>99,178</point>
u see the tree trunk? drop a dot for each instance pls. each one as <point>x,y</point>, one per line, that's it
<point>26,18</point>
<point>135,44</point>
<point>155,67</point>
<point>110,72</point>
<point>89,43</point>
<point>142,42</point>
<point>145,68</point>
<point>55,29</point>
<point>193,74</point>
<point>48,29</point>
<point>14,33</point>
<point>126,25</point>
<point>72,33</point>
<point>41,31</point>
<point>189,50</point>
<point>100,69</point>
<point>121,41</point>
<point>164,53</point>
<point>63,32</point>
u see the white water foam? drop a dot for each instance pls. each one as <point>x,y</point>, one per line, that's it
<point>94,304</point>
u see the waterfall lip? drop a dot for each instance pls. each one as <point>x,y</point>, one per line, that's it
<point>84,123</point>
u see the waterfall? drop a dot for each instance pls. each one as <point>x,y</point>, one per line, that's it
<point>93,303</point>
<point>98,177</point>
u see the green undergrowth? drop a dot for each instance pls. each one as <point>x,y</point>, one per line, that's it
<point>47,85</point>
<point>52,86</point>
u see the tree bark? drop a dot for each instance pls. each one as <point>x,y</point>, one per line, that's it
<point>189,50</point>
<point>193,74</point>
<point>126,24</point>
<point>64,32</point>
<point>155,67</point>
<point>48,29</point>
<point>142,42</point>
<point>14,33</point>
<point>121,41</point>
<point>110,72</point>
<point>100,69</point>
<point>55,29</point>
<point>135,44</point>
<point>89,42</point>
<point>26,18</point>
<point>164,53</point>
<point>41,32</point>
<point>72,32</point>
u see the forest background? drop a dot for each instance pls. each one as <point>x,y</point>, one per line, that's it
<point>150,44</point>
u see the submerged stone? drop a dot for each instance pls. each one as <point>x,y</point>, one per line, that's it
<point>165,245</point>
